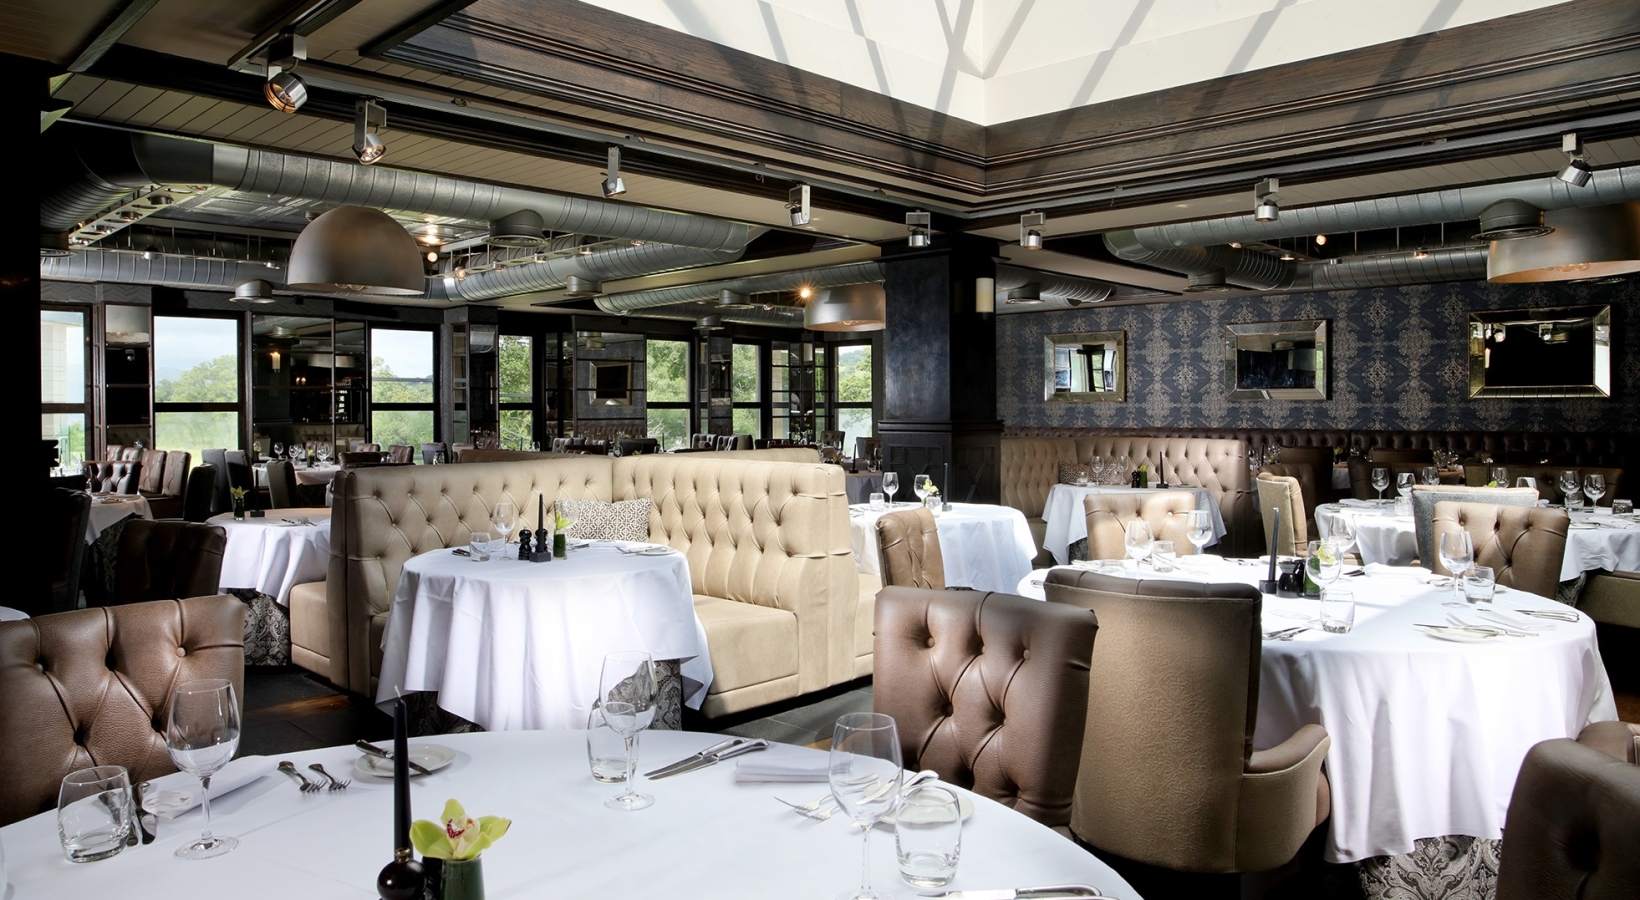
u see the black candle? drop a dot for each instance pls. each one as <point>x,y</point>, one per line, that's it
<point>540,512</point>
<point>1275,529</point>
<point>401,776</point>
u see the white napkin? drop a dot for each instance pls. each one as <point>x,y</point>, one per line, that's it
<point>1353,503</point>
<point>1512,620</point>
<point>174,795</point>
<point>1379,569</point>
<point>778,769</point>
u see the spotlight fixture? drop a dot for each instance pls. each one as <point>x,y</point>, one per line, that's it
<point>432,256</point>
<point>586,247</point>
<point>1265,206</point>
<point>1024,295</point>
<point>917,226</point>
<point>255,291</point>
<point>1578,171</point>
<point>285,90</point>
<point>1420,253</point>
<point>1032,226</point>
<point>150,255</point>
<point>1321,240</point>
<point>369,120</point>
<point>797,205</point>
<point>804,292</point>
<point>613,186</point>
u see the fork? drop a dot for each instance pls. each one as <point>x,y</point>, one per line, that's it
<point>808,808</point>
<point>289,768</point>
<point>336,784</point>
<point>814,812</point>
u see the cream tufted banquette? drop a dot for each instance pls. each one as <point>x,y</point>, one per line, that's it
<point>767,544</point>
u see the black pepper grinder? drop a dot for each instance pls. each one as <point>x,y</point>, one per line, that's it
<point>525,554</point>
<point>1134,478</point>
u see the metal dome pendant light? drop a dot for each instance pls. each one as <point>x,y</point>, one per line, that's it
<point>851,307</point>
<point>358,249</point>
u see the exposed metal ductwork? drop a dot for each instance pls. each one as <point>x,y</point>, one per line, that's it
<point>1408,267</point>
<point>528,276</point>
<point>1243,268</point>
<point>1070,289</point>
<point>834,276</point>
<point>779,316</point>
<point>92,264</point>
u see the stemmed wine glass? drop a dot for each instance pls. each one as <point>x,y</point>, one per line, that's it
<point>1594,485</point>
<point>1432,475</point>
<point>323,452</point>
<point>1404,482</point>
<point>1500,476</point>
<point>891,485</point>
<point>1457,554</point>
<point>202,735</point>
<point>627,694</point>
<point>1380,480</point>
<point>1341,532</point>
<point>503,518</point>
<point>865,776</point>
<point>1138,540</point>
<point>1198,529</point>
<point>1324,562</point>
<point>919,486</point>
<point>278,449</point>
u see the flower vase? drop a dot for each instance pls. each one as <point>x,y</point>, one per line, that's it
<point>454,879</point>
<point>559,550</point>
<point>239,508</point>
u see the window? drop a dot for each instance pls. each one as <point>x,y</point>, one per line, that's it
<point>666,392</point>
<point>745,389</point>
<point>62,383</point>
<point>196,384</point>
<point>854,394</point>
<point>516,361</point>
<point>401,388</point>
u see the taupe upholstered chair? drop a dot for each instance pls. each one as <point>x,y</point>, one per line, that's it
<point>66,513</point>
<point>1523,546</point>
<point>1612,598</point>
<point>909,541</point>
<point>1283,494</point>
<point>281,484</point>
<point>1307,489</point>
<point>989,690</point>
<point>1108,515</point>
<point>1620,740</point>
<point>402,454</point>
<point>1572,828</point>
<point>1169,776</point>
<point>168,560</point>
<point>93,687</point>
<point>1425,496</point>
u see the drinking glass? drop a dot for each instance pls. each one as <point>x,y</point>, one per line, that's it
<point>1138,539</point>
<point>502,518</point>
<point>535,446</point>
<point>1594,485</point>
<point>1163,556</point>
<point>202,736</point>
<point>1457,554</point>
<point>627,694</point>
<point>1323,563</point>
<point>876,499</point>
<point>94,813</point>
<point>323,452</point>
<point>928,837</point>
<point>606,750</point>
<point>1568,482</point>
<point>1200,529</point>
<point>865,745</point>
<point>919,486</point>
<point>1341,532</point>
<point>1404,482</point>
<point>1337,610</point>
<point>1380,480</point>
<point>438,458</point>
<point>891,486</point>
<point>478,546</point>
<point>1479,584</point>
<point>1098,470</point>
<point>1431,475</point>
<point>1500,476</point>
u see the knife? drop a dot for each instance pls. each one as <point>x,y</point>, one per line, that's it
<point>379,753</point>
<point>709,756</point>
<point>1062,890</point>
<point>142,822</point>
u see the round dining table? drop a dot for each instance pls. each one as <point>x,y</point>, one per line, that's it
<point>514,645</point>
<point>1382,535</point>
<point>985,547</point>
<point>706,835</point>
<point>1067,518</point>
<point>275,552</point>
<point>106,509</point>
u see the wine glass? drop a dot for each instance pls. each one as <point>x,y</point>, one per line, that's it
<point>1200,529</point>
<point>503,518</point>
<point>1500,476</point>
<point>1380,480</point>
<point>1404,482</point>
<point>1138,538</point>
<point>278,449</point>
<point>1594,485</point>
<point>891,484</point>
<point>323,452</point>
<point>1457,554</point>
<point>202,735</point>
<point>919,486</point>
<point>627,694</point>
<point>1568,481</point>
<point>1431,475</point>
<point>1341,531</point>
<point>865,776</point>
<point>1324,562</point>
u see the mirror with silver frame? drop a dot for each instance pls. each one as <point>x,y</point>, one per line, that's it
<point>1555,352</point>
<point>1276,360</point>
<point>1086,367</point>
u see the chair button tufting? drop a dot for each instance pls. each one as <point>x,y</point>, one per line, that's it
<point>182,651</point>
<point>1025,655</point>
<point>930,642</point>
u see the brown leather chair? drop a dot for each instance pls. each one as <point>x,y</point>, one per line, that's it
<point>362,458</point>
<point>1108,515</point>
<point>282,484</point>
<point>364,447</point>
<point>167,501</point>
<point>1523,546</point>
<point>1169,776</point>
<point>1425,496</point>
<point>1572,828</point>
<point>92,687</point>
<point>989,690</point>
<point>66,513</point>
<point>168,560</point>
<point>1283,494</point>
<point>909,541</point>
<point>120,477</point>
<point>430,452</point>
<point>1547,479</point>
<point>153,472</point>
<point>199,494</point>
<point>1612,598</point>
<point>866,447</point>
<point>1620,740</point>
<point>402,454</point>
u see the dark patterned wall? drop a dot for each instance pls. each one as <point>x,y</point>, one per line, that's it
<point>1399,362</point>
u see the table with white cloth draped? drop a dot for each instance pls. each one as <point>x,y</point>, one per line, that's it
<point>519,645</point>
<point>985,547</point>
<point>312,474</point>
<point>7,614</point>
<point>106,509</point>
<point>1427,735</point>
<point>1068,519</point>
<point>273,553</point>
<point>706,836</point>
<point>1381,536</point>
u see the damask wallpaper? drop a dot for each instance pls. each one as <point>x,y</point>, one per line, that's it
<point>1398,362</point>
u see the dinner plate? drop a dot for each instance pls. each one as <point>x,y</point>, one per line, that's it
<point>432,756</point>
<point>965,806</point>
<point>1583,526</point>
<point>1457,635</point>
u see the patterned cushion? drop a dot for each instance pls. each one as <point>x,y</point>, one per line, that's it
<point>596,520</point>
<point>1074,473</point>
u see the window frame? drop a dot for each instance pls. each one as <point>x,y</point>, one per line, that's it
<point>87,406</point>
<point>834,406</point>
<point>688,404</point>
<point>240,407</point>
<point>432,405</point>
<point>536,405</point>
<point>762,403</point>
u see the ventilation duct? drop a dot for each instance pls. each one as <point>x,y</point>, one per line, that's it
<point>523,229</point>
<point>777,317</point>
<point>835,276</point>
<point>131,268</point>
<point>1207,283</point>
<point>1242,268</point>
<point>1355,273</point>
<point>255,291</point>
<point>577,288</point>
<point>1511,220</point>
<point>1586,243</point>
<point>523,274</point>
<point>1011,283</point>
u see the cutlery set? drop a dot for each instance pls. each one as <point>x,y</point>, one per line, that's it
<point>1065,890</point>
<point>1286,634</point>
<point>711,755</point>
<point>821,808</point>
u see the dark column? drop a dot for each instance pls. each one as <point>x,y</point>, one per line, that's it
<point>939,357</point>
<point>20,279</point>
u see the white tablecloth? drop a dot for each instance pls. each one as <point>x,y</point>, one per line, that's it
<point>1380,536</point>
<point>306,475</point>
<point>7,614</point>
<point>705,836</point>
<point>514,645</point>
<point>271,555</point>
<point>1068,520</point>
<point>985,547</point>
<point>1427,735</point>
<point>106,509</point>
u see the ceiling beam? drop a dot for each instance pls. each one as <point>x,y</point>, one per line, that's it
<point>109,33</point>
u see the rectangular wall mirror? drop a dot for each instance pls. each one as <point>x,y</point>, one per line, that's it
<point>1087,367</point>
<point>1560,352</point>
<point>1276,360</point>
<point>611,384</point>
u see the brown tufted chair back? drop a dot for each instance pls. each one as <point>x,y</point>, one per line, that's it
<point>153,472</point>
<point>910,545</point>
<point>401,453</point>
<point>1386,456</point>
<point>1108,515</point>
<point>177,464</point>
<point>1308,490</point>
<point>113,477</point>
<point>1547,479</point>
<point>1573,825</point>
<point>362,458</point>
<point>1283,493</point>
<point>281,484</point>
<point>1169,776</point>
<point>989,690</point>
<point>92,687</point>
<point>1524,546</point>
<point>168,560</point>
<point>66,513</point>
<point>1425,496</point>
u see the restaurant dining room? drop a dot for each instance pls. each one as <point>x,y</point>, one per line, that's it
<point>1105,449</point>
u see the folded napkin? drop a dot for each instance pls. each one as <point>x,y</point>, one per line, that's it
<point>762,768</point>
<point>1353,503</point>
<point>174,795</point>
<point>1513,620</point>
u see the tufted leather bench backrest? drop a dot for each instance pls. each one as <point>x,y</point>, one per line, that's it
<point>909,542</point>
<point>1030,469</point>
<point>92,687</point>
<point>112,477</point>
<point>1522,545</point>
<point>1108,516</point>
<point>1573,824</point>
<point>175,481</point>
<point>153,472</point>
<point>989,690</point>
